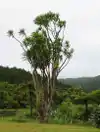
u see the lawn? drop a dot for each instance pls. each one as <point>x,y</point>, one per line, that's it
<point>7,125</point>
<point>32,127</point>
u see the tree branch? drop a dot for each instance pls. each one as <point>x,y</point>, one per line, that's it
<point>48,34</point>
<point>63,63</point>
<point>63,34</point>
<point>21,44</point>
<point>52,32</point>
<point>63,66</point>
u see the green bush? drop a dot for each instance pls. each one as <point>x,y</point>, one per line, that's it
<point>63,114</point>
<point>68,113</point>
<point>95,118</point>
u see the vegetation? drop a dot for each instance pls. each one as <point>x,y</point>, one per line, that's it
<point>71,105</point>
<point>14,75</point>
<point>48,52</point>
<point>17,76</point>
<point>87,83</point>
<point>39,95</point>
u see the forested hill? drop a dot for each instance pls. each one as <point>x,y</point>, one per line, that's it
<point>87,83</point>
<point>17,76</point>
<point>14,75</point>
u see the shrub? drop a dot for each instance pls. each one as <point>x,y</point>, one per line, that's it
<point>70,113</point>
<point>77,112</point>
<point>63,114</point>
<point>95,118</point>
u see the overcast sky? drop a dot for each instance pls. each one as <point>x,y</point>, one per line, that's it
<point>83,32</point>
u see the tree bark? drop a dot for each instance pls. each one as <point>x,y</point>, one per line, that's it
<point>86,110</point>
<point>30,100</point>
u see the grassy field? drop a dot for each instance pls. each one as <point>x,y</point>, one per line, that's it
<point>7,125</point>
<point>32,127</point>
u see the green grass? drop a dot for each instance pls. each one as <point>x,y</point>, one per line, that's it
<point>7,125</point>
<point>32,127</point>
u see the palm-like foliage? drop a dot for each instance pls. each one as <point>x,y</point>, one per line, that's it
<point>10,33</point>
<point>48,53</point>
<point>22,32</point>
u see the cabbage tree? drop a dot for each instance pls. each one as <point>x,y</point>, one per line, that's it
<point>48,52</point>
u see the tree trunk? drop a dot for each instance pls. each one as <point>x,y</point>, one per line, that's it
<point>44,112</point>
<point>31,106</point>
<point>45,104</point>
<point>45,97</point>
<point>30,100</point>
<point>86,110</point>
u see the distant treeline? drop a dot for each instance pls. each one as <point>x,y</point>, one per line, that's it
<point>87,83</point>
<point>14,75</point>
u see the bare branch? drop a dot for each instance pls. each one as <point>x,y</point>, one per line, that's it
<point>64,65</point>
<point>54,27</point>
<point>48,34</point>
<point>63,35</point>
<point>57,34</point>
<point>52,32</point>
<point>21,44</point>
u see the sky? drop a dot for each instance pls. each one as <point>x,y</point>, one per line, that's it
<point>83,32</point>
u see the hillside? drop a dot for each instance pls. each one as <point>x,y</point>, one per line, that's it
<point>87,83</point>
<point>14,75</point>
